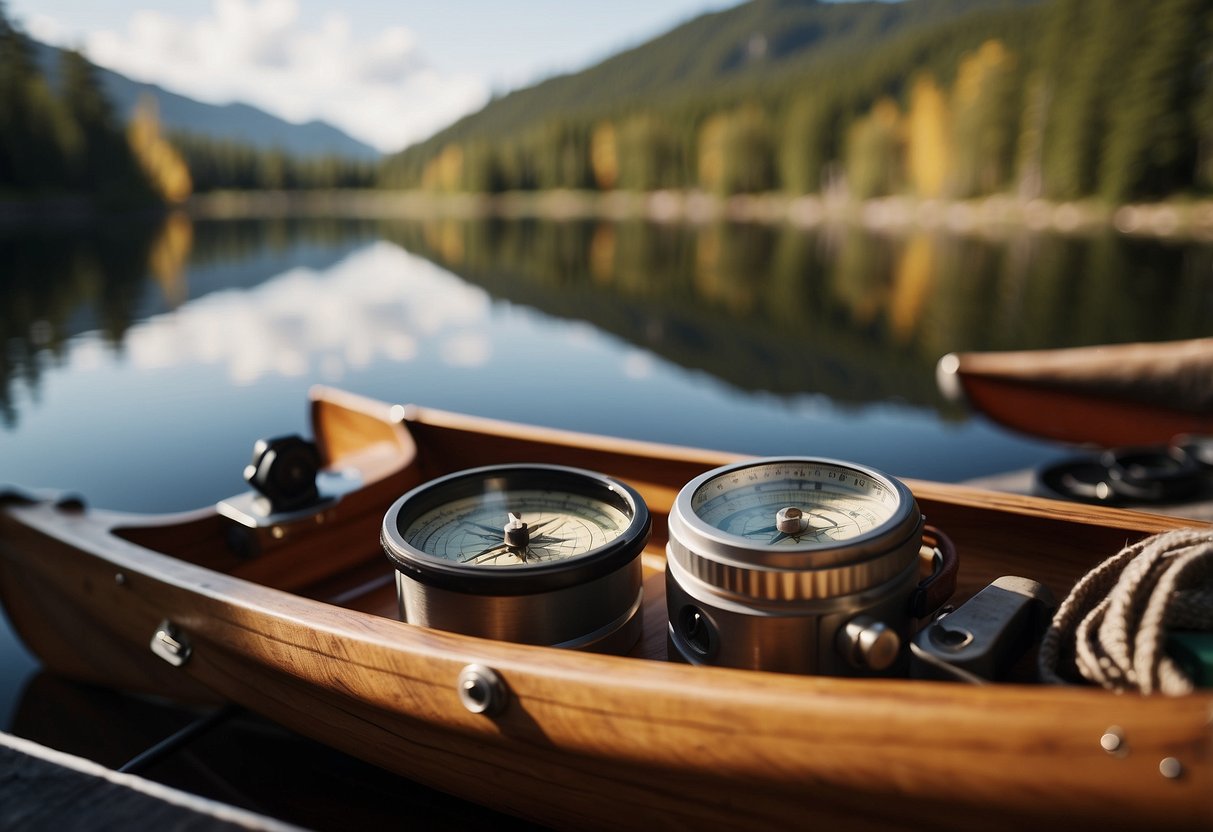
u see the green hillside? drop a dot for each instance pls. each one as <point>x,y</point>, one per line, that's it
<point>743,48</point>
<point>749,50</point>
<point>931,98</point>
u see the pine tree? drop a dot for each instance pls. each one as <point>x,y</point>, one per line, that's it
<point>104,164</point>
<point>36,135</point>
<point>1150,147</point>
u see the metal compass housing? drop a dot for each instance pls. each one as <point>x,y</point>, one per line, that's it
<point>793,564</point>
<point>537,554</point>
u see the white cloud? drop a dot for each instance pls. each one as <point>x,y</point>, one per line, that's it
<point>379,88</point>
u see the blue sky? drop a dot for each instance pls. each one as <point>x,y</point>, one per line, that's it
<point>388,74</point>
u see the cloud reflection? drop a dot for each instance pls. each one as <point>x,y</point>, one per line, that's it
<point>379,303</point>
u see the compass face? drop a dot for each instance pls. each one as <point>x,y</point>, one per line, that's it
<point>516,527</point>
<point>798,503</point>
<point>531,553</point>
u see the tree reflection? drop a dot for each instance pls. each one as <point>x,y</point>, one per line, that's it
<point>840,311</point>
<point>63,280</point>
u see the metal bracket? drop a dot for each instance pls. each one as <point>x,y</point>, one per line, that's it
<point>170,644</point>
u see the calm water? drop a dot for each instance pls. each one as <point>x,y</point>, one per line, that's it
<point>138,363</point>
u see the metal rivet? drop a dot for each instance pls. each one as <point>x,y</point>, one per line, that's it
<point>120,579</point>
<point>481,690</point>
<point>1170,768</point>
<point>1112,739</point>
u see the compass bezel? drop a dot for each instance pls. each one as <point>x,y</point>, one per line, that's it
<point>521,578</point>
<point>709,540</point>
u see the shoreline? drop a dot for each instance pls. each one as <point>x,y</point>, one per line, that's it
<point>999,215</point>
<point>1180,219</point>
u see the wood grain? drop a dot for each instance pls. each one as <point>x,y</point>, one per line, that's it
<point>590,741</point>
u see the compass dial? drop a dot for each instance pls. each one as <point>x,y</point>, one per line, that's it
<point>795,502</point>
<point>512,527</point>
<point>796,564</point>
<point>530,553</point>
<point>515,528</point>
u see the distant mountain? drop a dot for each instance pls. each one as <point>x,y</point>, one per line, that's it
<point>233,122</point>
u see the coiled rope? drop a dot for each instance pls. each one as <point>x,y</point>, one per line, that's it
<point>1112,628</point>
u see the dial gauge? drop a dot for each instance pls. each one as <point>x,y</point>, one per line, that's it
<point>532,553</point>
<point>795,503</point>
<point>516,527</point>
<point>796,564</point>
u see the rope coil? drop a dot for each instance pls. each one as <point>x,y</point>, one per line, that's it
<point>1112,628</point>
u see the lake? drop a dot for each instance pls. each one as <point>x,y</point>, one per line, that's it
<point>141,360</point>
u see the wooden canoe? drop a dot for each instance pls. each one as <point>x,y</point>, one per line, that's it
<point>305,632</point>
<point>1123,394</point>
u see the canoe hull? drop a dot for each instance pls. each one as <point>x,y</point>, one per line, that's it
<point>1126,394</point>
<point>590,741</point>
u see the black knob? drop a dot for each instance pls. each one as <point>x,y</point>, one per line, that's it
<point>284,471</point>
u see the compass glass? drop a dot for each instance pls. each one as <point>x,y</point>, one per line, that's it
<point>532,553</point>
<point>795,502</point>
<point>511,527</point>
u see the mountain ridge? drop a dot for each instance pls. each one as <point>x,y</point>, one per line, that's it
<point>237,122</point>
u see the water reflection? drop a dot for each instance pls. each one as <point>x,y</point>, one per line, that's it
<point>60,282</point>
<point>843,312</point>
<point>860,317</point>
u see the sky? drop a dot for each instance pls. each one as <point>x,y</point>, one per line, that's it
<point>389,74</point>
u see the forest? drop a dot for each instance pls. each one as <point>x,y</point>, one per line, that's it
<point>67,140</point>
<point>1069,99</point>
<point>1066,99</point>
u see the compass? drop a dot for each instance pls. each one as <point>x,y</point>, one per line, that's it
<point>536,554</point>
<point>799,564</point>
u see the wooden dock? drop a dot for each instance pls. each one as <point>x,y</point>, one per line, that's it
<point>46,789</point>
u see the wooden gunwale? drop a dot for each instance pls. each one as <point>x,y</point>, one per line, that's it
<point>589,740</point>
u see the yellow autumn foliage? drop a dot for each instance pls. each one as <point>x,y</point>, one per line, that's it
<point>169,253</point>
<point>445,171</point>
<point>604,156</point>
<point>914,278</point>
<point>982,129</point>
<point>928,137</point>
<point>159,160</point>
<point>713,136</point>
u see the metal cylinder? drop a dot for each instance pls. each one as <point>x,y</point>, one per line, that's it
<point>832,608</point>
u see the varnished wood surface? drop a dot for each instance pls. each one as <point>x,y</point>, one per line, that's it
<point>590,741</point>
<point>1124,394</point>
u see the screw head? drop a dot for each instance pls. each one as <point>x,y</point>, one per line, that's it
<point>1170,768</point>
<point>481,690</point>
<point>1112,740</point>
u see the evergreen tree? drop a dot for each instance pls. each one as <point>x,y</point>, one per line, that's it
<point>808,142</point>
<point>1202,108</point>
<point>36,135</point>
<point>1150,147</point>
<point>104,165</point>
<point>875,152</point>
<point>1076,56</point>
